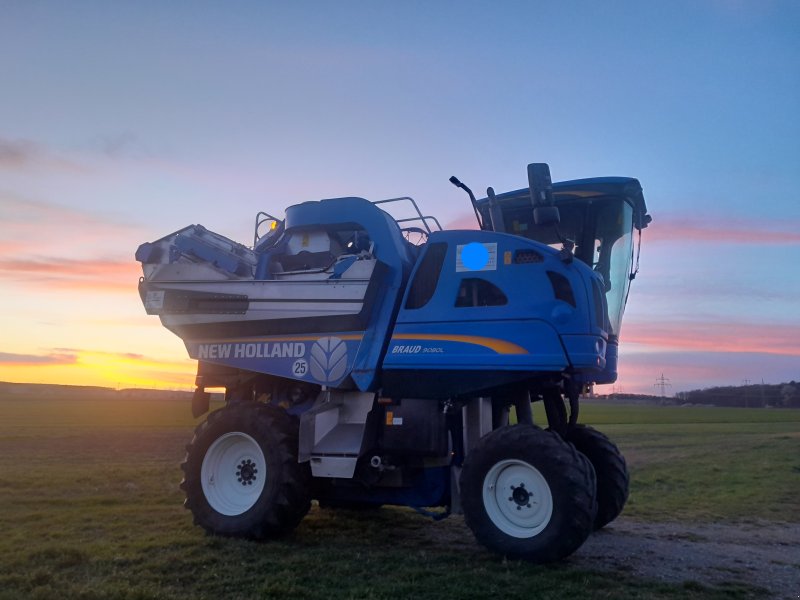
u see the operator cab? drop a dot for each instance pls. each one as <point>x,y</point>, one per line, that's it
<point>594,222</point>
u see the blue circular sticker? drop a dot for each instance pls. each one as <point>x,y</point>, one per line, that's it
<point>474,256</point>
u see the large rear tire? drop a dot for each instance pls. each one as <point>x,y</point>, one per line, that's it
<point>613,480</point>
<point>241,474</point>
<point>528,494</point>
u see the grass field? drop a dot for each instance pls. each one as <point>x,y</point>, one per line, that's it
<point>90,508</point>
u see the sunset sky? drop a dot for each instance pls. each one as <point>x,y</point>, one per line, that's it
<point>122,122</point>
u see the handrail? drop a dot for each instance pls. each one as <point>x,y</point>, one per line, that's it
<point>419,217</point>
<point>261,217</point>
<point>423,219</point>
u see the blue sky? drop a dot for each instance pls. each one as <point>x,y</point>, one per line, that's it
<point>121,122</point>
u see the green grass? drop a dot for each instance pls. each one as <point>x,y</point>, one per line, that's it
<point>706,464</point>
<point>91,509</point>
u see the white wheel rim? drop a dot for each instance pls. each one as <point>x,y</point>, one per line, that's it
<point>517,498</point>
<point>233,473</point>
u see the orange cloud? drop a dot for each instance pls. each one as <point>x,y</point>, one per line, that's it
<point>35,234</point>
<point>39,218</point>
<point>725,231</point>
<point>687,370</point>
<point>72,274</point>
<point>23,154</point>
<point>17,153</point>
<point>716,337</point>
<point>11,247</point>
<point>90,367</point>
<point>55,358</point>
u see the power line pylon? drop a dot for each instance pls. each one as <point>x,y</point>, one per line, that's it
<point>663,383</point>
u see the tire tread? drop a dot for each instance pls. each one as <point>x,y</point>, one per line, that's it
<point>572,485</point>
<point>292,498</point>
<point>613,479</point>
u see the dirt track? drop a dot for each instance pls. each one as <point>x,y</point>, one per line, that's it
<point>765,554</point>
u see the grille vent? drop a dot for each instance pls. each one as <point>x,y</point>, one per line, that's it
<point>524,257</point>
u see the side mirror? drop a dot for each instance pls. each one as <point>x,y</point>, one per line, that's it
<point>546,215</point>
<point>541,190</point>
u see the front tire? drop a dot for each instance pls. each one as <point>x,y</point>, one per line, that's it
<point>528,494</point>
<point>241,474</point>
<point>613,479</point>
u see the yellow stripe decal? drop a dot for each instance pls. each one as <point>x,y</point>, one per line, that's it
<point>499,346</point>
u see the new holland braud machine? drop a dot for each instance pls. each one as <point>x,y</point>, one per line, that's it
<point>371,360</point>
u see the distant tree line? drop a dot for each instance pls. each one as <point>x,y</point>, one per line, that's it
<point>85,391</point>
<point>782,395</point>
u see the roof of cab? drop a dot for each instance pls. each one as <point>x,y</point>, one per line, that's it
<point>595,187</point>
